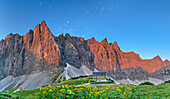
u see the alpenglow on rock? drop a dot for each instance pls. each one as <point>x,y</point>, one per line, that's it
<point>39,50</point>
<point>35,52</point>
<point>108,56</point>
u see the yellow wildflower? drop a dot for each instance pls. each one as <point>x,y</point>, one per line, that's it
<point>48,87</point>
<point>96,93</point>
<point>62,86</point>
<point>118,89</point>
<point>104,90</point>
<point>128,88</point>
<point>41,88</point>
<point>95,88</point>
<point>50,90</point>
<point>67,86</point>
<point>44,92</point>
<point>62,90</point>
<point>88,87</point>
<point>20,88</point>
<point>125,94</point>
<point>69,91</point>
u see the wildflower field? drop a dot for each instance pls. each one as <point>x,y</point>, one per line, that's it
<point>87,92</point>
<point>66,90</point>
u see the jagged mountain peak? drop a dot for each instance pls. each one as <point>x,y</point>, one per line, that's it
<point>157,58</point>
<point>93,38</point>
<point>92,41</point>
<point>30,30</point>
<point>9,36</point>
<point>39,48</point>
<point>115,46</point>
<point>115,43</point>
<point>81,38</point>
<point>67,35</point>
<point>43,22</point>
<point>42,28</point>
<point>104,41</point>
<point>166,62</point>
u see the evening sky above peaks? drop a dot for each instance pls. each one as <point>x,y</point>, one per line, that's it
<point>142,26</point>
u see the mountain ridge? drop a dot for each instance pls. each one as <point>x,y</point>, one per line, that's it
<point>39,50</point>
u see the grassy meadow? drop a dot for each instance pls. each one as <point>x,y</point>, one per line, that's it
<point>77,88</point>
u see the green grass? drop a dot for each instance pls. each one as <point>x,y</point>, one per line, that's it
<point>102,83</point>
<point>5,96</point>
<point>75,81</point>
<point>72,82</point>
<point>161,91</point>
<point>26,94</point>
<point>154,92</point>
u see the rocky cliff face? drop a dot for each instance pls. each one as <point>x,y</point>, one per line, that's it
<point>39,50</point>
<point>108,56</point>
<point>163,73</point>
<point>139,75</point>
<point>76,51</point>
<point>130,73</point>
<point>36,51</point>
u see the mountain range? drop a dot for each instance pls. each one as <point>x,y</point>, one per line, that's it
<point>39,50</point>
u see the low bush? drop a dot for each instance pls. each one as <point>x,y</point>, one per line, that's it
<point>147,83</point>
<point>167,81</point>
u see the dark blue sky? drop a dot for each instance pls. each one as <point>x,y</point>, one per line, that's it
<point>142,26</point>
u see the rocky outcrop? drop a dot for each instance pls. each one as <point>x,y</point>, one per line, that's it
<point>35,52</point>
<point>40,51</point>
<point>130,73</point>
<point>42,44</point>
<point>163,73</point>
<point>139,75</point>
<point>108,56</point>
<point>76,51</point>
